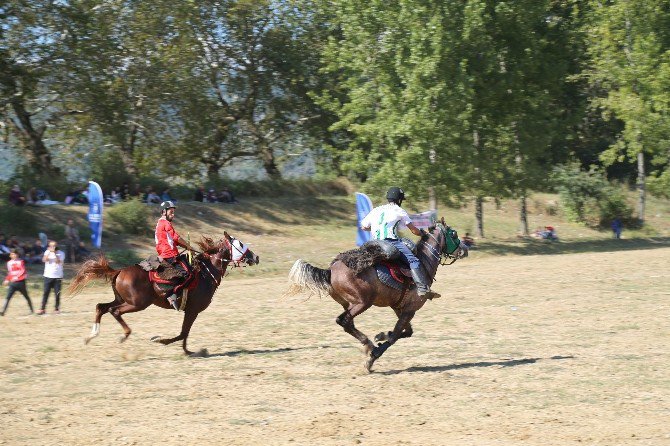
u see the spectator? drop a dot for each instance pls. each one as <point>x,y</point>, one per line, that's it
<point>211,196</point>
<point>468,240</point>
<point>226,196</point>
<point>116,195</point>
<point>153,198</point>
<point>199,194</point>
<point>14,243</point>
<point>617,227</point>
<point>31,196</point>
<point>53,259</point>
<point>71,233</point>
<point>34,253</point>
<point>165,196</point>
<point>71,241</point>
<point>16,197</point>
<point>4,249</point>
<point>125,191</point>
<point>16,280</point>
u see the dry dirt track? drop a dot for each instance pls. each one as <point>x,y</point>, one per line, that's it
<point>543,350</point>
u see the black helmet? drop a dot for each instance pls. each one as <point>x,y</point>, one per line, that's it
<point>395,194</point>
<point>167,205</point>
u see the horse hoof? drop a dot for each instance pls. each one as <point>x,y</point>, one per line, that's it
<point>368,363</point>
<point>155,339</point>
<point>202,353</point>
<point>87,340</point>
<point>122,339</point>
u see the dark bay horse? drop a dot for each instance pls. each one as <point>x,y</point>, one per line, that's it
<point>357,293</point>
<point>134,292</point>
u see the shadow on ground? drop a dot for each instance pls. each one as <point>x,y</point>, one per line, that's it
<point>543,247</point>
<point>467,365</point>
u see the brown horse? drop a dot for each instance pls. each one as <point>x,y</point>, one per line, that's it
<point>134,292</point>
<point>357,293</point>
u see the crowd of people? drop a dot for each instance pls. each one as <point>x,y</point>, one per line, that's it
<point>118,194</point>
<point>225,195</point>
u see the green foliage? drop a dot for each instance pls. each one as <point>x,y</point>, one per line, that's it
<point>659,185</point>
<point>123,257</point>
<point>588,197</point>
<point>131,216</point>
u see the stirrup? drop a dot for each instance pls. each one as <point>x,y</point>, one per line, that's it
<point>173,301</point>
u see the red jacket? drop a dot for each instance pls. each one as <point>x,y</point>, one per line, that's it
<point>166,239</point>
<point>17,271</point>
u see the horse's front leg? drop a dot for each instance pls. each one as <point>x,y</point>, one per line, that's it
<point>403,321</point>
<point>407,332</point>
<point>189,318</point>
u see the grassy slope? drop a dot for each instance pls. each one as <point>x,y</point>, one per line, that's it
<point>280,230</point>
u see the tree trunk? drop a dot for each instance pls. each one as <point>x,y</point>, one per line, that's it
<point>641,187</point>
<point>523,216</point>
<point>479,216</point>
<point>38,155</point>
<point>432,199</point>
<point>269,161</point>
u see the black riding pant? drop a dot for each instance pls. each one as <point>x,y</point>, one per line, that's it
<point>19,286</point>
<point>50,283</point>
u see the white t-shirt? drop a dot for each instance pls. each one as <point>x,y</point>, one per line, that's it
<point>384,221</point>
<point>54,270</point>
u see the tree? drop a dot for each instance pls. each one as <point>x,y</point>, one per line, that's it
<point>34,95</point>
<point>630,50</point>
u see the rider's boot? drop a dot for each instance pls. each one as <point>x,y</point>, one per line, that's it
<point>422,286</point>
<point>172,298</point>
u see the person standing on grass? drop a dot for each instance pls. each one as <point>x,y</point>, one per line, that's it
<point>53,259</point>
<point>16,279</point>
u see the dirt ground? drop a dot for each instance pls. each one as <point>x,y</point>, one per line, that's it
<point>538,350</point>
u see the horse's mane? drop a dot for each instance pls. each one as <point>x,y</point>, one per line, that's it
<point>207,245</point>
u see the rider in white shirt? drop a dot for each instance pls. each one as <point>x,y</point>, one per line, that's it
<point>384,221</point>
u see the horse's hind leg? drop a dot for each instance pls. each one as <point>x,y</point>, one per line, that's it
<point>189,318</point>
<point>100,309</point>
<point>346,320</point>
<point>124,308</point>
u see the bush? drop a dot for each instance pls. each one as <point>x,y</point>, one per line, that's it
<point>588,197</point>
<point>281,188</point>
<point>131,216</point>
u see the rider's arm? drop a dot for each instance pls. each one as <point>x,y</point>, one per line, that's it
<point>415,230</point>
<point>184,244</point>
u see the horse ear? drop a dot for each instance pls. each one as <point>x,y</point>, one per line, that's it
<point>442,221</point>
<point>226,235</point>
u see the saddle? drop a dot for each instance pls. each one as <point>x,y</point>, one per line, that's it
<point>389,264</point>
<point>166,276</point>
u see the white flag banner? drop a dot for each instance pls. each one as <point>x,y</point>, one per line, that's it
<point>424,219</point>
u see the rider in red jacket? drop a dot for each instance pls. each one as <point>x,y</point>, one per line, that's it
<point>167,241</point>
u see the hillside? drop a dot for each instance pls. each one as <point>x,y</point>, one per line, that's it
<point>280,230</point>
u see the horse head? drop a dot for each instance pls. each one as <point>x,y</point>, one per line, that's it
<point>443,242</point>
<point>240,253</point>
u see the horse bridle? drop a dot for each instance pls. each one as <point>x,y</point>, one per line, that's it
<point>441,256</point>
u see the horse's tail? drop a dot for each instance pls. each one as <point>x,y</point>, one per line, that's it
<point>95,268</point>
<point>307,278</point>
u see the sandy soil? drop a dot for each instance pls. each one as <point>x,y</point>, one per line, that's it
<point>541,350</point>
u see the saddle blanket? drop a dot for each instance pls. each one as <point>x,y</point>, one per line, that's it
<point>391,277</point>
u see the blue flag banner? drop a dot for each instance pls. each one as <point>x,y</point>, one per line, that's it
<point>95,199</point>
<point>363,208</point>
